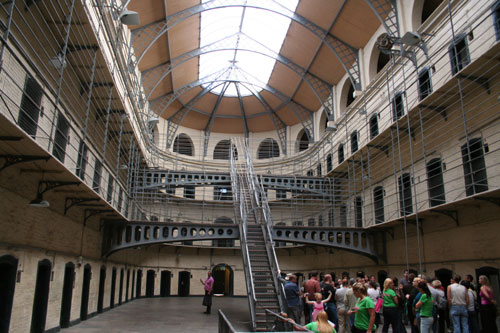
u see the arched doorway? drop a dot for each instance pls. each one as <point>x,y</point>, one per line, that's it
<point>67,295</point>
<point>184,281</point>
<point>138,286</point>
<point>102,281</point>
<point>150,283</point>
<point>120,291</point>
<point>165,283</point>
<point>41,300</point>
<point>381,276</point>
<point>113,288</point>
<point>223,279</point>
<point>444,275</point>
<point>8,273</point>
<point>127,285</point>
<point>133,284</point>
<point>87,271</point>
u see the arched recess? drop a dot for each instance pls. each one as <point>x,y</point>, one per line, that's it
<point>222,150</point>
<point>84,309</point>
<point>303,140</point>
<point>150,283</point>
<point>444,275</point>
<point>155,135</point>
<point>67,295</point>
<point>268,148</point>
<point>102,284</point>
<point>40,303</point>
<point>165,283</point>
<point>8,273</point>
<point>422,10</point>
<point>377,62</point>
<point>113,288</point>
<point>323,123</point>
<point>184,283</point>
<point>223,242</point>
<point>223,279</point>
<point>183,145</point>
<point>346,97</point>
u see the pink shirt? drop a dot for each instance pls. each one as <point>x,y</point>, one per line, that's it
<point>209,283</point>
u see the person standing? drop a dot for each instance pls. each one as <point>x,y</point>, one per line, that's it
<point>390,307</point>
<point>330,308</point>
<point>341,310</point>
<point>208,286</point>
<point>471,308</point>
<point>311,287</point>
<point>364,311</point>
<point>426,306</point>
<point>350,302</point>
<point>488,306</point>
<point>458,300</point>
<point>293,294</point>
<point>441,304</point>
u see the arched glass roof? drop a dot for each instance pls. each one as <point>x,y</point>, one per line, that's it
<point>267,27</point>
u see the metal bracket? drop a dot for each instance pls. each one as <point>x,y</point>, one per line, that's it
<point>77,47</point>
<point>439,109</point>
<point>495,201</point>
<point>482,81</point>
<point>88,213</point>
<point>453,214</point>
<point>85,86</point>
<point>15,159</point>
<point>10,138</point>
<point>102,112</point>
<point>76,202</point>
<point>48,185</point>
<point>384,149</point>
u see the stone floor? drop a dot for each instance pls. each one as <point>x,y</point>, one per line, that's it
<point>167,314</point>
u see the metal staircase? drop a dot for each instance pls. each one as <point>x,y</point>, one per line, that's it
<point>265,291</point>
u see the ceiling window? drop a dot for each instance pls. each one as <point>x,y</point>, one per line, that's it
<point>230,62</point>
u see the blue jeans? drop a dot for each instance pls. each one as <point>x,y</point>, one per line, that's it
<point>426,324</point>
<point>459,318</point>
<point>331,311</point>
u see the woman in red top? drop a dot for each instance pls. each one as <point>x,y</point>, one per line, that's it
<point>488,306</point>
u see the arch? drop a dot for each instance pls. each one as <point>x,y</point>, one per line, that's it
<point>138,286</point>
<point>120,293</point>
<point>268,148</point>
<point>222,150</point>
<point>165,283</point>
<point>102,281</point>
<point>422,10</point>
<point>133,284</point>
<point>323,124</point>
<point>8,274</point>
<point>303,140</point>
<point>150,283</point>
<point>183,145</point>
<point>346,96</point>
<point>223,279</point>
<point>377,62</point>
<point>127,285</point>
<point>41,301</point>
<point>84,309</point>
<point>444,275</point>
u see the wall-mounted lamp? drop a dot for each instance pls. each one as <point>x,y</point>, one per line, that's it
<point>129,17</point>
<point>39,202</point>
<point>153,121</point>
<point>331,126</point>
<point>44,186</point>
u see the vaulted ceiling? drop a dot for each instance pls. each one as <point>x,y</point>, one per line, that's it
<point>320,46</point>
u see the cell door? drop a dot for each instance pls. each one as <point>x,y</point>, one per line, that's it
<point>165,283</point>
<point>8,272</point>
<point>85,292</point>
<point>102,282</point>
<point>67,295</point>
<point>139,284</point>
<point>40,303</point>
<point>184,283</point>
<point>150,283</point>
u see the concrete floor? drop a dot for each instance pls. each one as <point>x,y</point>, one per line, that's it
<point>168,314</point>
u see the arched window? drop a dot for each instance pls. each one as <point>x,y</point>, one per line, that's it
<point>329,163</point>
<point>303,140</point>
<point>373,126</point>
<point>358,213</point>
<point>341,153</point>
<point>350,95</point>
<point>222,150</point>
<point>435,182</point>
<point>424,83</point>
<point>382,60</point>
<point>268,149</point>
<point>397,106</point>
<point>183,145</point>
<point>405,199</point>
<point>318,169</point>
<point>378,203</point>
<point>310,173</point>
<point>354,142</point>
<point>429,8</point>
<point>476,180</point>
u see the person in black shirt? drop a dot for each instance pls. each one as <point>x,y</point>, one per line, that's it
<point>328,287</point>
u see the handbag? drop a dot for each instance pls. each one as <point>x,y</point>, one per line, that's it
<point>378,305</point>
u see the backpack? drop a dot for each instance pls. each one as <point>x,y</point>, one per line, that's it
<point>441,302</point>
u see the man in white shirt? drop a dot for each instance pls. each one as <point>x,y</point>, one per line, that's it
<point>458,300</point>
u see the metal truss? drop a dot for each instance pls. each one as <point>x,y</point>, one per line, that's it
<point>119,235</point>
<point>386,12</point>
<point>153,77</point>
<point>162,179</point>
<point>144,37</point>
<point>355,240</point>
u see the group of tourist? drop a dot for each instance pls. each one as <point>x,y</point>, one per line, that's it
<point>362,305</point>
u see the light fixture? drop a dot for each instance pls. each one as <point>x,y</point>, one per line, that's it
<point>411,38</point>
<point>153,121</point>
<point>59,61</point>
<point>39,202</point>
<point>331,126</point>
<point>129,17</point>
<point>123,167</point>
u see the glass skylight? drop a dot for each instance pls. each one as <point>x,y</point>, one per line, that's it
<point>224,26</point>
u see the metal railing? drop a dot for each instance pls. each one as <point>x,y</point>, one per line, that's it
<point>224,323</point>
<point>279,323</point>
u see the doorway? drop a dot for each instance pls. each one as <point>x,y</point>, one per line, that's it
<point>87,272</point>
<point>120,291</point>
<point>139,284</point>
<point>113,287</point>
<point>8,273</point>
<point>381,276</point>
<point>127,285</point>
<point>492,274</point>
<point>165,283</point>
<point>67,294</point>
<point>41,300</point>
<point>133,284</point>
<point>184,281</point>
<point>100,297</point>
<point>223,279</point>
<point>150,283</point>
<point>444,275</point>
